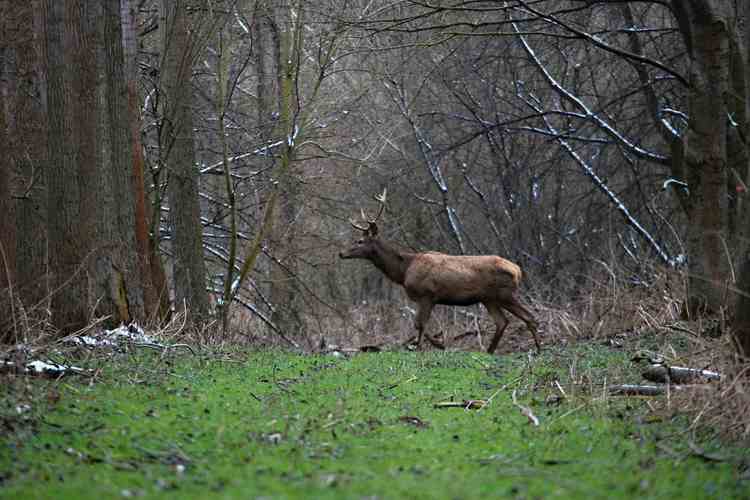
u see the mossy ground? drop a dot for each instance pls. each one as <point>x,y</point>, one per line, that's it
<point>280,425</point>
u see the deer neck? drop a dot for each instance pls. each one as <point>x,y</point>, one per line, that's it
<point>392,262</point>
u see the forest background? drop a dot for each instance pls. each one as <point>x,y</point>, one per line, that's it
<point>202,159</point>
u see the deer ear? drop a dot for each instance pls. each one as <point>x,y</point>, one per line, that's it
<point>372,230</point>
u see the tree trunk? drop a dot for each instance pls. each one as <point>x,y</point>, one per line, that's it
<point>22,143</point>
<point>8,83</point>
<point>8,301</point>
<point>704,28</point>
<point>285,294</point>
<point>66,238</point>
<point>178,153</point>
<point>30,163</point>
<point>118,278</point>
<point>155,290</point>
<point>741,322</point>
<point>284,291</point>
<point>90,189</point>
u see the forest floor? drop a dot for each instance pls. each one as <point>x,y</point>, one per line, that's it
<point>274,424</point>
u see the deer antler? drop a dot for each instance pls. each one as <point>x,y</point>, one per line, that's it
<point>357,226</point>
<point>380,198</point>
<point>371,221</point>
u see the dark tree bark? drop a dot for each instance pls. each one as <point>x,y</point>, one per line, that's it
<point>22,144</point>
<point>118,278</point>
<point>7,205</point>
<point>155,290</point>
<point>30,161</point>
<point>704,28</point>
<point>741,322</point>
<point>178,155</point>
<point>67,246</point>
<point>282,39</point>
<point>717,158</point>
<point>91,222</point>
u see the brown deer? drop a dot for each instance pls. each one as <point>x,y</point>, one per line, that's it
<point>431,278</point>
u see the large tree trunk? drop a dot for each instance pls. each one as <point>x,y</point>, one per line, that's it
<point>155,290</point>
<point>704,26</point>
<point>285,293</point>
<point>30,162</point>
<point>90,189</point>
<point>741,322</point>
<point>284,290</point>
<point>8,82</point>
<point>178,154</point>
<point>717,158</point>
<point>117,279</point>
<point>66,238</point>
<point>265,41</point>
<point>22,233</point>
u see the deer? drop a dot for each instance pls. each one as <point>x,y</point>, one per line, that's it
<point>432,278</point>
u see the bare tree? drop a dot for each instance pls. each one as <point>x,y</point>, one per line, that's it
<point>90,222</point>
<point>119,278</point>
<point>7,205</point>
<point>27,138</point>
<point>66,52</point>
<point>156,293</point>
<point>177,153</point>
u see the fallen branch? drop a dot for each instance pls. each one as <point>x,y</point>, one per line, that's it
<point>637,390</point>
<point>163,347</point>
<point>678,374</point>
<point>415,421</point>
<point>649,390</point>
<point>466,404</point>
<point>703,455</point>
<point>40,368</point>
<point>410,379</point>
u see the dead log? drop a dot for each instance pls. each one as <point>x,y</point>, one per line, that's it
<point>637,390</point>
<point>678,374</point>
<point>649,390</point>
<point>467,404</point>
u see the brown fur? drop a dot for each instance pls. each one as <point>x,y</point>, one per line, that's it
<point>435,278</point>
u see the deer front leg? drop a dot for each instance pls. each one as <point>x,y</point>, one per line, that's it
<point>423,316</point>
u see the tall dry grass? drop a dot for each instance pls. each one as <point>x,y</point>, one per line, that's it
<point>610,304</point>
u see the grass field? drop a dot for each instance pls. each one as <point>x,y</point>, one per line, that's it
<point>275,424</point>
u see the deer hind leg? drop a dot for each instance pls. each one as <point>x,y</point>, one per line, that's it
<point>515,308</point>
<point>423,316</point>
<point>501,322</point>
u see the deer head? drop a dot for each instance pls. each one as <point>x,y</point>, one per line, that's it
<point>365,247</point>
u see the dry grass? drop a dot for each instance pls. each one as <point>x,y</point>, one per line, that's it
<point>723,407</point>
<point>609,305</point>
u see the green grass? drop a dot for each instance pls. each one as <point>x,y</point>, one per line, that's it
<point>280,425</point>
